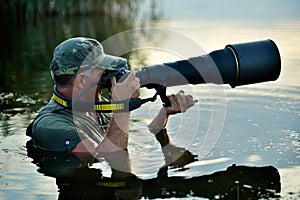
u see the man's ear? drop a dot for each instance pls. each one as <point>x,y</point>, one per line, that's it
<point>80,81</point>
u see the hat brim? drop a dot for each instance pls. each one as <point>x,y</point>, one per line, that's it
<point>112,63</point>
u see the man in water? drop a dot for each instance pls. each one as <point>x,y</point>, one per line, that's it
<point>79,67</point>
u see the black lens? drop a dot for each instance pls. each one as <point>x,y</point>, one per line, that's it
<point>237,64</point>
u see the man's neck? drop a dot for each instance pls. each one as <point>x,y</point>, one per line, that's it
<point>65,91</point>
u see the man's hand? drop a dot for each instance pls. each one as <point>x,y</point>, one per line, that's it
<point>129,88</point>
<point>180,103</point>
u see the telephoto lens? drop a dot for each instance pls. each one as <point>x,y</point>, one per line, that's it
<point>236,64</point>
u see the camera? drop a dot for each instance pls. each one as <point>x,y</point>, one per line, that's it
<point>236,64</point>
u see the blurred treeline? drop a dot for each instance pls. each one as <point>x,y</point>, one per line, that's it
<point>31,29</point>
<point>34,9</point>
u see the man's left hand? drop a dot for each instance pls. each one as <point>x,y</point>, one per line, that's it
<point>180,103</point>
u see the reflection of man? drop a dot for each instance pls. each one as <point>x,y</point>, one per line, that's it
<point>77,180</point>
<point>77,66</point>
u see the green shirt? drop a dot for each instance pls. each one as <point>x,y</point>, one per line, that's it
<point>61,129</point>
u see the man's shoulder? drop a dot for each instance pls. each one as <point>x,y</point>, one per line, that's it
<point>55,120</point>
<point>52,115</point>
<point>55,132</point>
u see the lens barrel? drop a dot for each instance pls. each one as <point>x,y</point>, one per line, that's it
<point>236,64</point>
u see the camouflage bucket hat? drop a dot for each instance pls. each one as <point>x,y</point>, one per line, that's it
<point>81,54</point>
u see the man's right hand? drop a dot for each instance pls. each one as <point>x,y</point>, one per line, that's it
<point>129,88</point>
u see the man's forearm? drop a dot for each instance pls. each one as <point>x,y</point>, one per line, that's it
<point>159,122</point>
<point>119,128</point>
<point>116,137</point>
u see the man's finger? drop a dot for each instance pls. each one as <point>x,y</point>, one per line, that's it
<point>130,76</point>
<point>194,100</point>
<point>181,92</point>
<point>190,96</point>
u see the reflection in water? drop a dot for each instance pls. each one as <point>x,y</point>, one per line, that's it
<point>76,179</point>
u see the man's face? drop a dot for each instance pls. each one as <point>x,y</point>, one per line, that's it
<point>86,80</point>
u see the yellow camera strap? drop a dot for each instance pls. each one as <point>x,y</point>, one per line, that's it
<point>108,106</point>
<point>105,107</point>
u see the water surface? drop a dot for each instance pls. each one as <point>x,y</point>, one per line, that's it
<point>260,126</point>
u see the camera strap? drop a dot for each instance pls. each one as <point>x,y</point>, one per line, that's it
<point>104,107</point>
